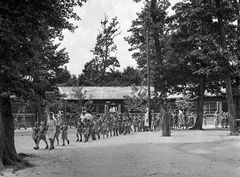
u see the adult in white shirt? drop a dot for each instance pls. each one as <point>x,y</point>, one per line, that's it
<point>146,120</point>
<point>52,126</point>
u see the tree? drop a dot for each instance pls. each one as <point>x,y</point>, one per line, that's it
<point>209,36</point>
<point>104,52</point>
<point>193,44</point>
<point>27,29</point>
<point>45,69</point>
<point>226,14</point>
<point>79,95</point>
<point>131,76</point>
<point>127,77</point>
<point>54,101</point>
<point>152,22</point>
<point>80,106</point>
<point>72,81</point>
<point>158,13</point>
<point>184,103</point>
<point>113,78</point>
<point>62,76</point>
<point>137,102</point>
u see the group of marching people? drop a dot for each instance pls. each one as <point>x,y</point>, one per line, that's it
<point>91,127</point>
<point>111,124</point>
<point>52,129</point>
<point>94,126</point>
<point>105,125</point>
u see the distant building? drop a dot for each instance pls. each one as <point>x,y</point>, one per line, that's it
<point>111,99</point>
<point>105,99</point>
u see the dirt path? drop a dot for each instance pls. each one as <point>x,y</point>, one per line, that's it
<point>208,153</point>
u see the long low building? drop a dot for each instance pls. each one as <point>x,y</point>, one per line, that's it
<point>105,99</point>
<point>111,99</point>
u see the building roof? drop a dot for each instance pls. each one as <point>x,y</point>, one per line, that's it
<point>98,93</point>
<point>108,93</point>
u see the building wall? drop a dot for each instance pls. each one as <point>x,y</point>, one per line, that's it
<point>26,113</point>
<point>23,114</point>
<point>211,104</point>
<point>104,106</point>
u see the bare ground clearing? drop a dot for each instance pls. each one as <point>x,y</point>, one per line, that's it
<point>186,153</point>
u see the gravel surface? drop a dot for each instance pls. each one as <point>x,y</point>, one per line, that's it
<point>208,153</point>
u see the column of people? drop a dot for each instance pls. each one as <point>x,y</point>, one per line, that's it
<point>52,129</point>
<point>92,128</point>
<point>111,124</point>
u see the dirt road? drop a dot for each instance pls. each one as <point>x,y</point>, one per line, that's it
<point>207,153</point>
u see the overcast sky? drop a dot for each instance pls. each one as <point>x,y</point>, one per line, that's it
<point>79,43</point>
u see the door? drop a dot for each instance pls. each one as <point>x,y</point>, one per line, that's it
<point>219,107</point>
<point>106,109</point>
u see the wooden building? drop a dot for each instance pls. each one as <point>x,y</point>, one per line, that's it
<point>105,99</point>
<point>111,99</point>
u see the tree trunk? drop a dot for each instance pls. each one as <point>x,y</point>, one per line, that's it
<point>161,85</point>
<point>228,79</point>
<point>237,2</point>
<point>8,152</point>
<point>2,137</point>
<point>200,104</point>
<point>39,106</point>
<point>149,83</point>
<point>157,50</point>
<point>165,123</point>
<point>231,107</point>
<point>237,97</point>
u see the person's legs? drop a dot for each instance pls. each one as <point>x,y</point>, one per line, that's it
<point>80,137</point>
<point>63,142</point>
<point>77,137</point>
<point>46,144</point>
<point>51,144</point>
<point>57,139</point>
<point>37,145</point>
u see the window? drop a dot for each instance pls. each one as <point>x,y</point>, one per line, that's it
<point>211,107</point>
<point>28,109</point>
<point>193,107</point>
<point>155,108</point>
<point>94,108</point>
<point>101,109</point>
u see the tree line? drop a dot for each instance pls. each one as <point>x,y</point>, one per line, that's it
<point>193,51</point>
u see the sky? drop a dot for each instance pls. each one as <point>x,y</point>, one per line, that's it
<point>79,43</point>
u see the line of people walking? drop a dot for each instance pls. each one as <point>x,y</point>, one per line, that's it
<point>53,128</point>
<point>110,124</point>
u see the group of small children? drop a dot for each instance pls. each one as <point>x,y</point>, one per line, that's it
<point>110,124</point>
<point>40,133</point>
